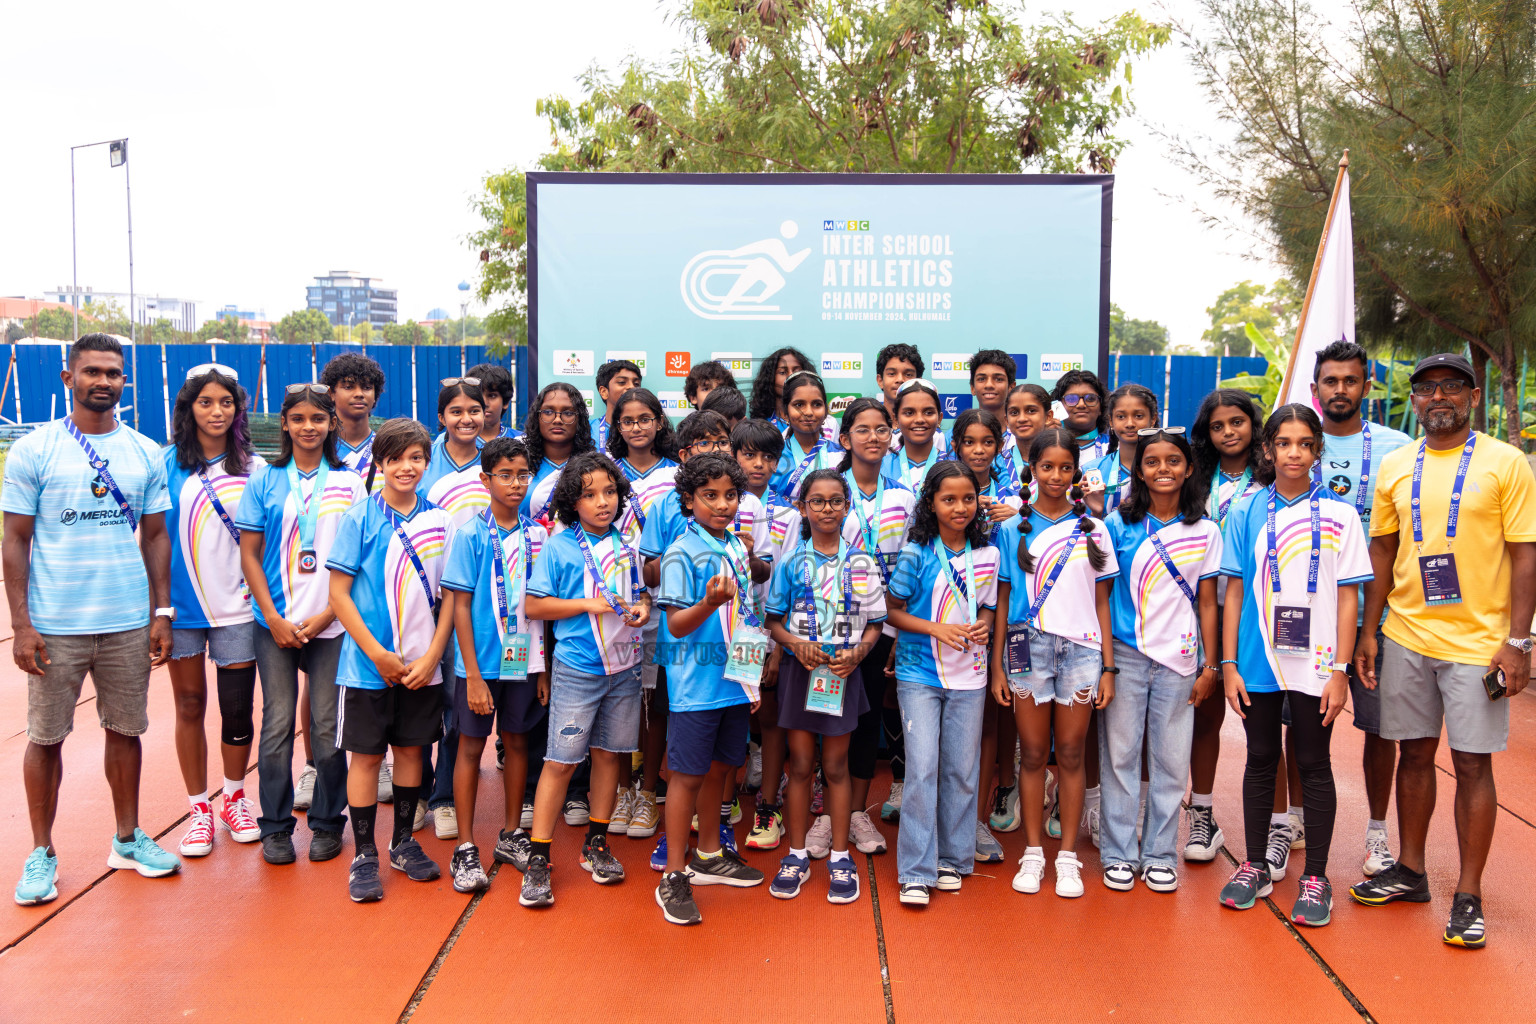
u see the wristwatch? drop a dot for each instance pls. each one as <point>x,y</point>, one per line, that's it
<point>1523,644</point>
<point>166,613</point>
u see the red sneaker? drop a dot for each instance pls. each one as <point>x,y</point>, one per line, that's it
<point>236,816</point>
<point>198,841</point>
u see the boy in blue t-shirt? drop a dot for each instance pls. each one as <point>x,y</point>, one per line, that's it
<point>707,603</point>
<point>499,659</point>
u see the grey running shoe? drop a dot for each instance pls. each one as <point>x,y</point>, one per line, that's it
<point>675,898</point>
<point>514,848</point>
<point>1248,884</point>
<point>988,849</point>
<point>468,874</point>
<point>1314,902</point>
<point>726,869</point>
<point>536,888</point>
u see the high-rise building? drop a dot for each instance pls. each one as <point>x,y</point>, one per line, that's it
<point>346,297</point>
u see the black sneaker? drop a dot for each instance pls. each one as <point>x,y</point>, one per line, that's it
<point>536,888</point>
<point>501,754</point>
<point>661,792</point>
<point>1395,884</point>
<point>413,860</point>
<point>577,811</point>
<point>1466,927</point>
<point>675,898</point>
<point>324,845</point>
<point>363,883</point>
<point>514,848</point>
<point>726,869</point>
<point>598,859</point>
<point>914,894</point>
<point>277,848</point>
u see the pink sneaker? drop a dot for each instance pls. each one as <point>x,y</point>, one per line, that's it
<point>198,841</point>
<point>236,816</point>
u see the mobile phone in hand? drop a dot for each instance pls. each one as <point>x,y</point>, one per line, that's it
<point>1493,682</point>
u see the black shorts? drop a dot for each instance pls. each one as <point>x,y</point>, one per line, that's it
<point>369,721</point>
<point>515,707</point>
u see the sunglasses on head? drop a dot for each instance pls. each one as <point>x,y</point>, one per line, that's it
<point>316,387</point>
<point>449,382</point>
<point>916,382</point>
<point>1154,431</point>
<point>219,368</point>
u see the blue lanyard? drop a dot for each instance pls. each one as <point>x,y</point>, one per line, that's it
<point>1173,570</point>
<point>734,554</point>
<point>410,549</point>
<point>1418,477</point>
<point>520,572</point>
<point>309,512</point>
<point>805,463</point>
<point>1362,490</point>
<point>844,568</point>
<point>602,434</point>
<point>632,474</point>
<point>1315,517</point>
<point>957,584</point>
<point>1050,581</point>
<point>1112,487</point>
<point>99,464</point>
<point>365,455</point>
<point>1237,492</point>
<point>870,528</point>
<point>543,513</point>
<point>611,596</point>
<point>218,506</point>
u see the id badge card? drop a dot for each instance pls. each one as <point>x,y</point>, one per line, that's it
<point>1292,632</point>
<point>514,656</point>
<point>747,654</point>
<point>1018,650</point>
<point>308,562</point>
<point>1441,584</point>
<point>1093,480</point>
<point>824,692</point>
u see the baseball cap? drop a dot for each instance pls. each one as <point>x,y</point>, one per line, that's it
<point>1447,360</point>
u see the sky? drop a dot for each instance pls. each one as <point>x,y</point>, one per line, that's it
<point>268,149</point>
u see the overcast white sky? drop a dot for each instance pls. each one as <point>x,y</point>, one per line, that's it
<point>275,143</point>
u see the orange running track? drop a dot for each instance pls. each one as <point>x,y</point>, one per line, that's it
<point>233,939</point>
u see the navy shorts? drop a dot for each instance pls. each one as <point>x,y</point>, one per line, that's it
<point>515,708</point>
<point>697,738</point>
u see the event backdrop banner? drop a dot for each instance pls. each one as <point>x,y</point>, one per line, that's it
<point>672,269</point>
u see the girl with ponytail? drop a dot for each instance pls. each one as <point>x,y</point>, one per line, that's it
<point>1054,663</point>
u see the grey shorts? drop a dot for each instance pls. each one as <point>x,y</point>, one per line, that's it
<point>119,667</point>
<point>226,645</point>
<point>1365,705</point>
<point>1418,692</point>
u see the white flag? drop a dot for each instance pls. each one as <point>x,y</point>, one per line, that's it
<point>1330,315</point>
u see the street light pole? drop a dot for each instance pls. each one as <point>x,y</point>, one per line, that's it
<point>118,149</point>
<point>74,247</point>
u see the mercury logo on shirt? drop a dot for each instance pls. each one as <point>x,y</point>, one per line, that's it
<point>101,516</point>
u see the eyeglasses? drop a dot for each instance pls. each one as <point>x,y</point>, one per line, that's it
<point>916,382</point>
<point>568,415</point>
<point>506,476</point>
<point>643,423</point>
<point>705,447</point>
<point>865,433</point>
<point>1154,431</point>
<point>297,389</point>
<point>219,368</point>
<point>820,504</point>
<point>1426,388</point>
<point>449,382</point>
<point>1070,400</point>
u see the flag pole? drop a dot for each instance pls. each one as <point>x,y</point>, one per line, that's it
<point>1322,242</point>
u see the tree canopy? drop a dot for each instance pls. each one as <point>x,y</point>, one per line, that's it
<point>304,326</point>
<point>1135,337</point>
<point>1273,310</point>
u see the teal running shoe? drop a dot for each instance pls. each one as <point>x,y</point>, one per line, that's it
<point>38,877</point>
<point>143,855</point>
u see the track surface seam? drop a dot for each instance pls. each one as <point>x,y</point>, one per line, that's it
<point>447,947</point>
<point>885,967</point>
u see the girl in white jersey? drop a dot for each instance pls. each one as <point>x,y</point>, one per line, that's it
<point>918,417</point>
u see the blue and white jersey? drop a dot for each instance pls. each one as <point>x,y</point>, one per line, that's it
<point>836,623</point>
<point>646,491</point>
<point>86,570</point>
<point>921,581</point>
<point>537,503</point>
<point>511,432</point>
<point>1339,471</point>
<point>357,458</point>
<point>1343,558</point>
<point>1148,608</point>
<point>595,644</point>
<point>1071,610</point>
<point>695,663</point>
<point>899,467</point>
<point>1110,474</point>
<point>668,522</point>
<point>1092,447</point>
<point>826,455</point>
<point>471,570</point>
<point>386,586</point>
<point>268,507</point>
<point>207,584</point>
<point>454,488</point>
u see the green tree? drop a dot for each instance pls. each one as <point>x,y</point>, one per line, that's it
<point>1135,337</point>
<point>1436,105</point>
<point>109,316</point>
<point>1273,310</point>
<point>408,333</point>
<point>14,332</point>
<point>225,328</point>
<point>841,85</point>
<point>59,324</point>
<point>304,327</point>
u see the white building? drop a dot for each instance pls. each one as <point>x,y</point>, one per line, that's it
<point>146,308</point>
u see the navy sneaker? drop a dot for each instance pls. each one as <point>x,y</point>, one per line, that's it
<point>363,883</point>
<point>728,838</point>
<point>1466,927</point>
<point>793,871</point>
<point>845,881</point>
<point>413,860</point>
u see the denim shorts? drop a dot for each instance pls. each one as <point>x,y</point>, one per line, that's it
<point>588,711</point>
<point>118,664</point>
<point>226,645</point>
<point>1060,670</point>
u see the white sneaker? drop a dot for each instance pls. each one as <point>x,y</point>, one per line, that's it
<point>526,820</point>
<point>1378,853</point>
<point>1093,825</point>
<point>1031,871</point>
<point>445,820</point>
<point>1298,831</point>
<point>891,809</point>
<point>304,791</point>
<point>1050,787</point>
<point>419,822</point>
<point>866,837</point>
<point>818,841</point>
<point>755,768</point>
<point>1069,875</point>
<point>387,784</point>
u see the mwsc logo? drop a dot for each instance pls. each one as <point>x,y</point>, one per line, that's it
<point>845,225</point>
<point>736,284</point>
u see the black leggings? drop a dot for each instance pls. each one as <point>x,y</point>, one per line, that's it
<point>1319,799</point>
<point>237,688</point>
<point>864,746</point>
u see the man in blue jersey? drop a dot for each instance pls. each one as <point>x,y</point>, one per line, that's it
<point>86,557</point>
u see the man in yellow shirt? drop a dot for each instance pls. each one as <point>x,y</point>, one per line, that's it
<point>1453,546</point>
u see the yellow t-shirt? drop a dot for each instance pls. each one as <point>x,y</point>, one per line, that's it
<point>1498,504</point>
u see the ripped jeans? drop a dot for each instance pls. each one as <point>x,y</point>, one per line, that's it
<point>588,711</point>
<point>1060,670</point>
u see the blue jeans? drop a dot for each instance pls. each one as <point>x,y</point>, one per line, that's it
<point>437,776</point>
<point>1151,701</point>
<point>279,670</point>
<point>938,805</point>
